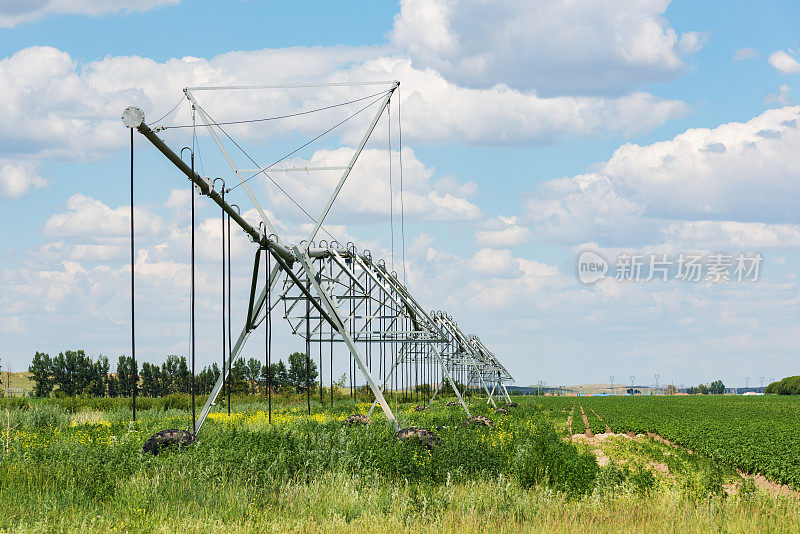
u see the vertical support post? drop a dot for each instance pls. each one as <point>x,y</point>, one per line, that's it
<point>308,350</point>
<point>133,315</point>
<point>224,296</point>
<point>452,381</point>
<point>230,331</point>
<point>268,323</point>
<point>194,417</point>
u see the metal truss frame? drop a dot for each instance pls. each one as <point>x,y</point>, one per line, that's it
<point>355,300</point>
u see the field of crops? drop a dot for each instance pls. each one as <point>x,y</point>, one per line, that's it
<point>83,469</point>
<point>756,434</point>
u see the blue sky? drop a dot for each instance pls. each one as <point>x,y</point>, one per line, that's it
<point>530,133</point>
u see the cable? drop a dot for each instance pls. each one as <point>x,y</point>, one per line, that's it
<point>167,114</point>
<point>223,287</point>
<point>191,186</point>
<point>308,346</point>
<point>322,269</point>
<point>277,117</point>
<point>269,333</point>
<point>270,178</point>
<point>391,187</point>
<point>226,378</point>
<point>297,149</point>
<point>351,365</point>
<point>330,270</point>
<point>402,207</point>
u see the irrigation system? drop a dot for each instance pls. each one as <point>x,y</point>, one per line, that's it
<point>328,292</point>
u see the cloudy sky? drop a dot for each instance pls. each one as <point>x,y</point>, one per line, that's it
<point>531,131</point>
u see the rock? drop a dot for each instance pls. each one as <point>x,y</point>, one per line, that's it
<point>357,419</point>
<point>480,420</point>
<point>168,438</point>
<point>419,435</point>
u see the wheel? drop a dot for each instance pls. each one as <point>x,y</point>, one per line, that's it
<point>168,438</point>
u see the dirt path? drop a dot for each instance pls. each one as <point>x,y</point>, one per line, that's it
<point>608,428</point>
<point>588,431</point>
<point>760,481</point>
<point>569,419</point>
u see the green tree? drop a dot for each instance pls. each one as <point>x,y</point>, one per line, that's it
<point>171,380</point>
<point>207,378</point>
<point>276,375</point>
<point>297,376</point>
<point>701,389</point>
<point>42,369</point>
<point>184,376</point>
<point>253,373</point>
<point>716,387</point>
<point>73,372</point>
<point>150,380</point>
<point>112,386</point>
<point>100,368</point>
<point>127,375</point>
<point>237,378</point>
<point>786,386</point>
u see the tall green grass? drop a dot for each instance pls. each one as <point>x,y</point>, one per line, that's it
<point>62,471</point>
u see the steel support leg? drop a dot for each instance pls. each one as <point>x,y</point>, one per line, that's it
<point>333,310</point>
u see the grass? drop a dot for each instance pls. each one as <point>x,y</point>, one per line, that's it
<point>757,434</point>
<point>84,471</point>
<point>16,380</point>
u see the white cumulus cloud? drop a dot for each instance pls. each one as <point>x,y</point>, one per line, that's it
<point>18,177</point>
<point>577,47</point>
<point>502,232</point>
<point>735,174</point>
<point>57,108</point>
<point>744,53</point>
<point>783,62</point>
<point>14,12</point>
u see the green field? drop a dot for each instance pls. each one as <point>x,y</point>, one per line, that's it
<point>15,380</point>
<point>77,465</point>
<point>756,434</point>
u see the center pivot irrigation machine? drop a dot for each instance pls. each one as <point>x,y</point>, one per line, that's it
<point>329,293</point>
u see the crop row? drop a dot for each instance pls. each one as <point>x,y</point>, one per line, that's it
<point>754,434</point>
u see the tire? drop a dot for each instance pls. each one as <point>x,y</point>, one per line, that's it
<point>168,438</point>
<point>418,435</point>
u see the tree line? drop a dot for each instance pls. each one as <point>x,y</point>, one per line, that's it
<point>786,386</point>
<point>73,373</point>
<point>715,388</point>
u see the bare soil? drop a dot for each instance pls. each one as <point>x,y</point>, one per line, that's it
<point>569,419</point>
<point>608,428</point>
<point>760,481</point>
<point>589,433</point>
